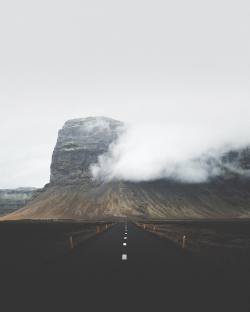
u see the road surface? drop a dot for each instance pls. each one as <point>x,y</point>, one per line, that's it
<point>124,269</point>
<point>129,267</point>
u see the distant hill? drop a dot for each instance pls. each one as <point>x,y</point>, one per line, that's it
<point>14,199</point>
<point>72,193</point>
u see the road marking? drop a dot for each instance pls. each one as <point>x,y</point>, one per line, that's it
<point>125,237</point>
<point>124,257</point>
<point>124,244</point>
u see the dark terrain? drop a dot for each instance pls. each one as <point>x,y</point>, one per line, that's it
<point>225,243</point>
<point>27,245</point>
<point>40,270</point>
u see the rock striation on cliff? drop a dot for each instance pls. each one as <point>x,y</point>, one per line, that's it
<point>80,143</point>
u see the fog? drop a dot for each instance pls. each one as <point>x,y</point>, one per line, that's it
<point>184,151</point>
<point>177,72</point>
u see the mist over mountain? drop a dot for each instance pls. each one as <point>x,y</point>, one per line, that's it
<point>147,152</point>
<point>102,168</point>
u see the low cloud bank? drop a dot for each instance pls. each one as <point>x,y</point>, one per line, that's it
<point>186,153</point>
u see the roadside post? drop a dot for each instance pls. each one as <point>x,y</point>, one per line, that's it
<point>71,243</point>
<point>184,238</point>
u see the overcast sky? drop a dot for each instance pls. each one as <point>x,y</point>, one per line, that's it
<point>179,62</point>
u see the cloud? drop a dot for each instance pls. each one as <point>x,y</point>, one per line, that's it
<point>187,153</point>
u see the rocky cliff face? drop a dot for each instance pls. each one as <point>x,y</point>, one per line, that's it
<point>72,194</point>
<point>79,144</point>
<point>238,160</point>
<point>13,199</point>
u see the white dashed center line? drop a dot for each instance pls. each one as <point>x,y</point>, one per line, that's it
<point>125,256</point>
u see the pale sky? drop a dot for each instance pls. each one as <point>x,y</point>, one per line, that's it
<point>171,62</point>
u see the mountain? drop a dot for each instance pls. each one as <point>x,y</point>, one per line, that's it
<point>73,194</point>
<point>79,144</point>
<point>14,199</point>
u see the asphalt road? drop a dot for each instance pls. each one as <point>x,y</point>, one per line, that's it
<point>129,266</point>
<point>128,269</point>
<point>125,252</point>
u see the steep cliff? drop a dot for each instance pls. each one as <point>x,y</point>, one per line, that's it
<point>79,144</point>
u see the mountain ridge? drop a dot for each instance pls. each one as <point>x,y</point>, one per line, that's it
<point>73,193</point>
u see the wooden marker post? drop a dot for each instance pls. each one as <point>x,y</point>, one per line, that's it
<point>71,243</point>
<point>184,238</point>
